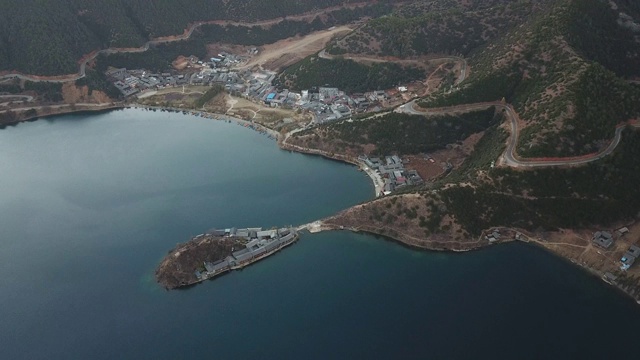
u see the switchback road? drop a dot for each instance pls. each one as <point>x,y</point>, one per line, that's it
<point>510,157</point>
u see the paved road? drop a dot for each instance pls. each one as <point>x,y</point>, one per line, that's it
<point>25,97</point>
<point>409,108</point>
<point>510,157</point>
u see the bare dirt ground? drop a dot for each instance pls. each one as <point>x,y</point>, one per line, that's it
<point>454,154</point>
<point>180,63</point>
<point>286,52</point>
<point>187,90</point>
<point>175,97</point>
<point>576,246</point>
<point>278,119</point>
<point>73,94</point>
<point>216,48</point>
<point>274,118</point>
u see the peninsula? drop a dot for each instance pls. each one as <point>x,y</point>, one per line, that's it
<point>219,251</point>
<point>506,124</point>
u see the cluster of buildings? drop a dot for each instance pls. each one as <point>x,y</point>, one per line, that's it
<point>258,244</point>
<point>391,169</point>
<point>325,103</point>
<point>629,257</point>
<point>198,72</point>
<point>605,240</point>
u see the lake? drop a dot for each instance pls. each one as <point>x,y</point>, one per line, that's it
<point>90,204</point>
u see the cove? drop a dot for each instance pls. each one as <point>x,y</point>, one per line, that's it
<point>90,204</point>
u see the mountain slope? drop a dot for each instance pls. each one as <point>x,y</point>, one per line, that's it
<point>440,26</point>
<point>566,90</point>
<point>48,37</point>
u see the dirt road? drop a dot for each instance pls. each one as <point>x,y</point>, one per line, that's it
<point>162,40</point>
<point>288,51</point>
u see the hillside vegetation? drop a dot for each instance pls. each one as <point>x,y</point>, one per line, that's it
<point>438,27</point>
<point>159,58</point>
<point>568,91</point>
<point>551,198</point>
<point>348,75</point>
<point>395,133</point>
<point>564,66</point>
<point>48,37</point>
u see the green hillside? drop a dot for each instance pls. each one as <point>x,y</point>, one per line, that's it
<point>566,89</point>
<point>399,133</point>
<point>565,67</point>
<point>159,58</point>
<point>48,37</point>
<point>551,198</point>
<point>348,75</point>
<point>438,27</point>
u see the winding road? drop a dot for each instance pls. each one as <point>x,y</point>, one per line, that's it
<point>88,58</point>
<point>163,40</point>
<point>510,157</point>
<point>463,71</point>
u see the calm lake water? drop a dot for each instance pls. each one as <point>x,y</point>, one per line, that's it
<point>90,204</point>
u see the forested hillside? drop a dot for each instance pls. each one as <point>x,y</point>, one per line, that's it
<point>159,58</point>
<point>561,74</point>
<point>398,133</point>
<point>48,37</point>
<point>551,198</point>
<point>438,27</point>
<point>348,75</point>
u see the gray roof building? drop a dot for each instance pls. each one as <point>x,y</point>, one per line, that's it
<point>634,251</point>
<point>603,239</point>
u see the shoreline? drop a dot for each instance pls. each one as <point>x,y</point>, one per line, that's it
<point>97,108</point>
<point>399,241</point>
<point>281,141</point>
<point>258,246</point>
<point>210,115</point>
<point>378,185</point>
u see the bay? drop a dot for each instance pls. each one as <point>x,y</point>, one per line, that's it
<point>90,204</point>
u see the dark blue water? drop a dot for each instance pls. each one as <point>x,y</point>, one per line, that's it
<point>89,205</point>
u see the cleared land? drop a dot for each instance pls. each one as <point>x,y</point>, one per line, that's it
<point>286,52</point>
<point>278,119</point>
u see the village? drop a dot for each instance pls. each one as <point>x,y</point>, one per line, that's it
<point>389,173</point>
<point>605,240</point>
<point>324,103</point>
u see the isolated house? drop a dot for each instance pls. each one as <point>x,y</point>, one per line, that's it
<point>604,239</point>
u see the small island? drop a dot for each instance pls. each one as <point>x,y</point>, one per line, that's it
<point>208,255</point>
